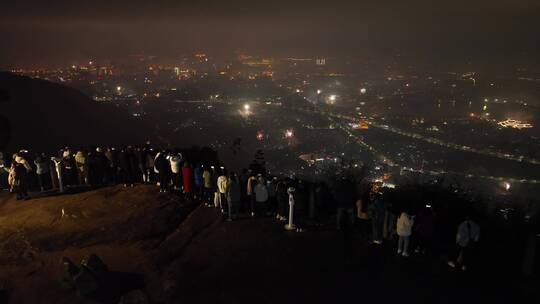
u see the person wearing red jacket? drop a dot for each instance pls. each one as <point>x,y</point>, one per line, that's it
<point>186,175</point>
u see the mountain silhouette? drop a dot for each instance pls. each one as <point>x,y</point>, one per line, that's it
<point>45,116</point>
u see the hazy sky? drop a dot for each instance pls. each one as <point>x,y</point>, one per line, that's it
<point>60,31</point>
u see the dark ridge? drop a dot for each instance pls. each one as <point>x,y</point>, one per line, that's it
<point>44,116</point>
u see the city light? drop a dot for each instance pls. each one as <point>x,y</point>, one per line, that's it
<point>289,133</point>
<point>363,90</point>
<point>260,136</point>
<point>246,107</point>
<point>516,124</point>
<point>319,92</point>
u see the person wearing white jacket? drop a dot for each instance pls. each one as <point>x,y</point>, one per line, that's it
<point>222,187</point>
<point>404,226</point>
<point>175,161</point>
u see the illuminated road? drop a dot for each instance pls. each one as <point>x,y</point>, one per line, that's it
<point>435,141</point>
<point>349,131</point>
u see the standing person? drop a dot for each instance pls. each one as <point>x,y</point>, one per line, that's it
<point>233,196</point>
<point>300,200</point>
<point>150,176</point>
<point>243,186</point>
<point>261,197</point>
<point>112,170</point>
<point>128,166</point>
<point>161,167</point>
<point>101,167</point>
<point>272,202</point>
<point>222,189</point>
<point>69,169</point>
<point>92,166</point>
<point>282,198</point>
<point>390,217</point>
<point>198,182</point>
<point>176,172</point>
<point>319,201</point>
<point>43,172</point>
<point>4,173</point>
<point>423,230</point>
<point>20,181</point>
<point>81,164</point>
<point>142,164</point>
<point>468,234</point>
<point>362,214</point>
<point>404,226</point>
<point>376,213</point>
<point>345,197</point>
<point>215,192</point>
<point>251,182</point>
<point>207,187</point>
<point>186,175</point>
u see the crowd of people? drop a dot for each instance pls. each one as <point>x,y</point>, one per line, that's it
<point>252,193</point>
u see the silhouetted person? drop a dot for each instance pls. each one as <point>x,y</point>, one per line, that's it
<point>162,167</point>
<point>176,171</point>
<point>376,213</point>
<point>282,198</point>
<point>468,234</point>
<point>233,196</point>
<point>404,226</point>
<point>20,181</point>
<point>345,198</point>
<point>261,197</point>
<point>423,230</point>
<point>43,171</point>
<point>186,177</point>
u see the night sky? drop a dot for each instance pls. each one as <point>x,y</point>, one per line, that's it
<point>36,32</point>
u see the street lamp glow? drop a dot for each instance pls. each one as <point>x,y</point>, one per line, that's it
<point>363,90</point>
<point>246,107</point>
<point>319,92</point>
<point>332,97</point>
<point>119,88</point>
<point>506,186</point>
